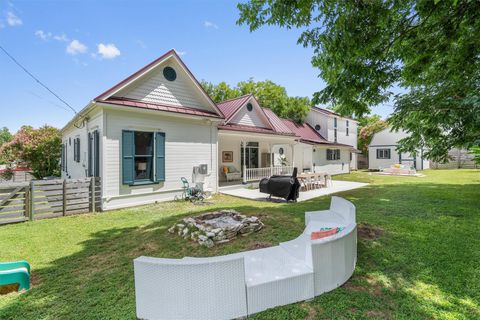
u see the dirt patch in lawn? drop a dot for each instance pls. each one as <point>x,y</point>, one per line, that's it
<point>8,288</point>
<point>369,232</point>
<point>311,312</point>
<point>259,245</point>
<point>377,314</point>
<point>373,287</point>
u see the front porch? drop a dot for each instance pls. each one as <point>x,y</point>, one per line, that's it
<point>245,159</point>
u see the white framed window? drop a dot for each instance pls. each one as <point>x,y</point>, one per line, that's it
<point>347,128</point>
<point>333,154</point>
<point>383,154</point>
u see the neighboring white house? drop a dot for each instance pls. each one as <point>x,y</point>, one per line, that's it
<point>382,151</point>
<point>337,129</point>
<point>158,125</point>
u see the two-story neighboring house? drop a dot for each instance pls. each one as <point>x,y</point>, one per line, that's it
<point>383,152</point>
<point>339,130</point>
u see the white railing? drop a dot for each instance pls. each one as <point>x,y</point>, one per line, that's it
<point>255,174</point>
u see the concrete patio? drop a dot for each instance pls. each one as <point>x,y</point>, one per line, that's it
<point>243,191</point>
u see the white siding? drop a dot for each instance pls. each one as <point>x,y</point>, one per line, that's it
<point>387,139</point>
<point>327,130</point>
<point>76,170</point>
<point>188,143</point>
<point>303,157</point>
<point>333,167</point>
<point>153,87</point>
<point>314,118</point>
<point>248,118</point>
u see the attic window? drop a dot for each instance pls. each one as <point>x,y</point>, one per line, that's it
<point>169,74</point>
<point>317,127</point>
<point>249,107</point>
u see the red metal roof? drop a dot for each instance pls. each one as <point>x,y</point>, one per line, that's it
<point>229,107</point>
<point>243,128</point>
<point>276,121</point>
<point>305,132</point>
<point>160,107</point>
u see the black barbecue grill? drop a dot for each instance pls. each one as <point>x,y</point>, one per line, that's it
<point>286,187</point>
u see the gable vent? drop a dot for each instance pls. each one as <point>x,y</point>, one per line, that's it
<point>169,73</point>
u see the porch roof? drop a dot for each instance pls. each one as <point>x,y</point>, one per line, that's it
<point>305,132</point>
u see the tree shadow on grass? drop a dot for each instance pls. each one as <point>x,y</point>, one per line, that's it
<point>424,250</point>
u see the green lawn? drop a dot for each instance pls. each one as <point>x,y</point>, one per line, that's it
<point>418,252</point>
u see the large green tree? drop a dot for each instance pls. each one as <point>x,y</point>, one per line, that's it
<point>269,95</point>
<point>38,149</point>
<point>363,49</point>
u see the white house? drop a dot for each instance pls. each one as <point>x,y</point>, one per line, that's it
<point>339,130</point>
<point>382,151</point>
<point>144,134</point>
<point>158,125</point>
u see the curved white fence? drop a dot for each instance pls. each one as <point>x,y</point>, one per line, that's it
<point>245,283</point>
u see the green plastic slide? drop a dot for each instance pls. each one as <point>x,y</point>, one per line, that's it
<point>15,272</point>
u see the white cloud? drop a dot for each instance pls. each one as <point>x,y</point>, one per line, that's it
<point>43,35</point>
<point>108,51</point>
<point>76,47</point>
<point>61,37</point>
<point>13,20</point>
<point>46,36</point>
<point>208,24</point>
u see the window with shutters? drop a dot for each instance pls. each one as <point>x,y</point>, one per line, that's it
<point>62,159</point>
<point>94,154</point>
<point>76,150</point>
<point>383,153</point>
<point>143,156</point>
<point>333,154</point>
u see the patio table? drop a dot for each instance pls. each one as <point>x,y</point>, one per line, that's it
<point>312,179</point>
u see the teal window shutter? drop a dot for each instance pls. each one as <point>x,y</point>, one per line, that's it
<point>160,156</point>
<point>128,159</point>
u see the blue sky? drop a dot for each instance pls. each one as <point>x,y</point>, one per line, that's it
<point>81,48</point>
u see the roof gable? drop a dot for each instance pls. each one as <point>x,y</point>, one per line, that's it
<point>236,113</point>
<point>229,107</point>
<point>149,85</point>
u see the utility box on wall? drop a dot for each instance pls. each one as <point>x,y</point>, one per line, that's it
<point>203,169</point>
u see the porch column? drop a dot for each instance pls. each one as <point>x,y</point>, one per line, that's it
<point>293,154</point>
<point>244,146</point>
<point>270,149</point>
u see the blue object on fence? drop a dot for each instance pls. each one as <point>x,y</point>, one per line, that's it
<point>15,272</point>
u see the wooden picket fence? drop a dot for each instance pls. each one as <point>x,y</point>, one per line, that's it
<point>41,199</point>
